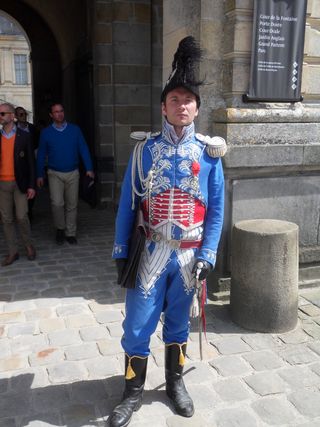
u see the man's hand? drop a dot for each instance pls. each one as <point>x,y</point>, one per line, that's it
<point>90,174</point>
<point>30,193</point>
<point>40,182</point>
<point>203,267</point>
<point>120,263</point>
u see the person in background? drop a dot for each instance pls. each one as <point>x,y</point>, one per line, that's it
<point>63,144</point>
<point>17,183</point>
<point>176,178</point>
<point>22,123</point>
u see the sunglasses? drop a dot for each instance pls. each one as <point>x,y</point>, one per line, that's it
<point>3,113</point>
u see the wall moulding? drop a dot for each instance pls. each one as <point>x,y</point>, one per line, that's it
<point>273,113</point>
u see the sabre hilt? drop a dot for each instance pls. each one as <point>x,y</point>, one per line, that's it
<point>199,268</point>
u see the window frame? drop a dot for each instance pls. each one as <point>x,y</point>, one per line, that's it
<point>25,81</point>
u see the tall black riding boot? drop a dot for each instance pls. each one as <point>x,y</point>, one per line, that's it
<point>136,369</point>
<point>175,388</point>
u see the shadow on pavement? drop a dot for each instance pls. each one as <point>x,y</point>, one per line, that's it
<point>85,269</point>
<point>77,404</point>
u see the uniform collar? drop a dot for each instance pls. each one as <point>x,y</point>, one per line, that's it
<point>170,135</point>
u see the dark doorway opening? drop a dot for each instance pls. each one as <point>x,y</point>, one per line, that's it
<point>45,57</point>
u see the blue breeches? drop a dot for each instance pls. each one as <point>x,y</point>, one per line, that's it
<point>170,295</point>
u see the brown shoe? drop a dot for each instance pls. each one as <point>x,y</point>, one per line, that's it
<point>31,253</point>
<point>9,259</point>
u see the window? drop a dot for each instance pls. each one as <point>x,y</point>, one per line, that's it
<point>21,70</point>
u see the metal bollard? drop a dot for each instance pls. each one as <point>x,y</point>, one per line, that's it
<point>264,275</point>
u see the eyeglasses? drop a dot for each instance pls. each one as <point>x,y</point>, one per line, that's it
<point>3,113</point>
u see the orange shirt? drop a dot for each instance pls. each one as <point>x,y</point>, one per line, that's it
<point>7,159</point>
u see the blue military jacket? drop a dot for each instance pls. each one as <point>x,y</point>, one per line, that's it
<point>161,165</point>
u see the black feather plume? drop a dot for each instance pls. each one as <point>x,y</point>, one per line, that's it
<point>183,72</point>
<point>185,59</point>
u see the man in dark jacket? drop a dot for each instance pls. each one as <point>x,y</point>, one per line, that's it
<point>22,123</point>
<point>17,183</point>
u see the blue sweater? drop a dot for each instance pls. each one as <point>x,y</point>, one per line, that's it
<point>63,149</point>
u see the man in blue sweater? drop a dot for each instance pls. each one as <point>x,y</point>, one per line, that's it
<point>63,144</point>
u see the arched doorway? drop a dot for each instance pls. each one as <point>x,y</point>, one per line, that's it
<point>45,62</point>
<point>15,69</point>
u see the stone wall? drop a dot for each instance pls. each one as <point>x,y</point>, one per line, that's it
<point>272,168</point>
<point>127,43</point>
<point>204,20</point>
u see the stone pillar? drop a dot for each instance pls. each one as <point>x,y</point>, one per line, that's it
<point>264,277</point>
<point>8,66</point>
<point>104,96</point>
<point>203,19</point>
<point>127,60</point>
<point>131,32</point>
<point>156,63</point>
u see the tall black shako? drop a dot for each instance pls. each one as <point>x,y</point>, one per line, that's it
<point>183,72</point>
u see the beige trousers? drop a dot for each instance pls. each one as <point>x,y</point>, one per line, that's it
<point>11,196</point>
<point>64,189</point>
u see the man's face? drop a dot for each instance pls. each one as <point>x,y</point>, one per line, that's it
<point>6,116</point>
<point>180,107</point>
<point>21,115</point>
<point>57,113</point>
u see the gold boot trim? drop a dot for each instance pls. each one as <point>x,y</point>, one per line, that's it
<point>130,372</point>
<point>181,355</point>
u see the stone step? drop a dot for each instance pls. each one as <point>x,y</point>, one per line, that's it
<point>310,272</point>
<point>221,296</point>
<point>308,284</point>
<point>224,293</point>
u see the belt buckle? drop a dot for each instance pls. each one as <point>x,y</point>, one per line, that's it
<point>155,237</point>
<point>174,244</point>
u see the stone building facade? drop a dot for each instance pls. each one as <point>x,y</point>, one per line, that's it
<point>108,59</point>
<point>273,162</point>
<point>15,70</point>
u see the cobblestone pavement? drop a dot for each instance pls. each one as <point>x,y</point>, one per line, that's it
<point>61,363</point>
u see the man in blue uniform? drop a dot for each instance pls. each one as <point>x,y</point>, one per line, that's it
<point>176,178</point>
